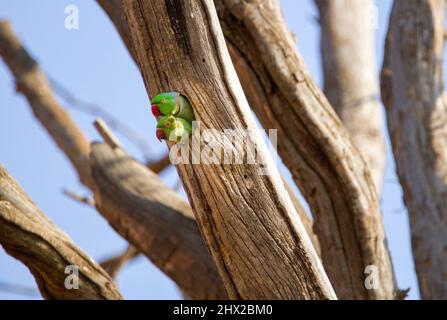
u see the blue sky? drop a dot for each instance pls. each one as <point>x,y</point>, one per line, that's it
<point>93,63</point>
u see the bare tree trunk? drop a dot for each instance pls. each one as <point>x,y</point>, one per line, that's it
<point>308,162</point>
<point>155,220</point>
<point>413,92</point>
<point>29,236</point>
<point>136,226</point>
<point>251,229</point>
<point>351,81</point>
<point>114,10</point>
<point>313,143</point>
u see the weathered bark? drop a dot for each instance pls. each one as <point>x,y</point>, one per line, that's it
<point>72,141</point>
<point>155,220</point>
<point>31,81</point>
<point>416,105</point>
<point>250,228</point>
<point>307,222</point>
<point>29,236</point>
<point>261,88</point>
<point>351,81</point>
<point>313,144</point>
<point>115,11</point>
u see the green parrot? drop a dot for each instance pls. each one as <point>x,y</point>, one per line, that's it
<point>174,114</point>
<point>172,103</point>
<point>172,128</point>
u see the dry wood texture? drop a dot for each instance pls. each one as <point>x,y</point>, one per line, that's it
<point>413,92</point>
<point>351,80</point>
<point>29,236</point>
<point>72,141</point>
<point>316,176</point>
<point>313,143</point>
<point>114,10</point>
<point>155,220</point>
<point>255,236</point>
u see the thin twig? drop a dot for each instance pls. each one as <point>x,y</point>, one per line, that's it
<point>107,134</point>
<point>81,199</point>
<point>116,263</point>
<point>158,166</point>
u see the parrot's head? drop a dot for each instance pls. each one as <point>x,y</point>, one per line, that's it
<point>165,104</point>
<point>165,125</point>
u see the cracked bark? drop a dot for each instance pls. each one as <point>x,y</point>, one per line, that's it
<point>155,219</point>
<point>72,141</point>
<point>321,190</point>
<point>416,106</point>
<point>29,236</point>
<point>314,145</point>
<point>249,236</point>
<point>114,10</point>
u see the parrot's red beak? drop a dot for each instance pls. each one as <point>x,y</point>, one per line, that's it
<point>155,110</point>
<point>160,134</point>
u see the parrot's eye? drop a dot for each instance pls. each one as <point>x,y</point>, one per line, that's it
<point>168,124</point>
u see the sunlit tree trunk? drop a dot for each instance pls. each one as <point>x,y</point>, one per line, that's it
<point>351,80</point>
<point>416,105</point>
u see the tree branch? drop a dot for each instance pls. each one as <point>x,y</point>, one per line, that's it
<point>351,82</point>
<point>114,264</point>
<point>81,199</point>
<point>158,166</point>
<point>314,145</point>
<point>72,141</point>
<point>318,178</point>
<point>250,228</point>
<point>29,236</point>
<point>114,11</point>
<point>416,106</point>
<point>155,220</point>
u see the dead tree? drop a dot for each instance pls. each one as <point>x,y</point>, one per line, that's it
<point>235,220</point>
<point>314,145</point>
<point>144,223</point>
<point>351,81</point>
<point>307,159</point>
<point>246,218</point>
<point>29,236</point>
<point>416,106</point>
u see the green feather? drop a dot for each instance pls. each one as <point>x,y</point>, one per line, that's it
<point>173,103</point>
<point>174,128</point>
